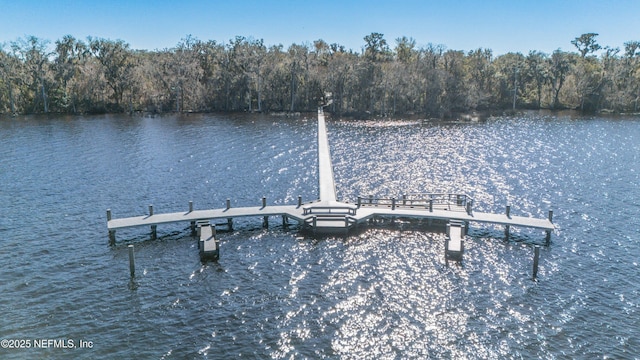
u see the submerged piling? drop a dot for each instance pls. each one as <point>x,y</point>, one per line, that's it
<point>536,256</point>
<point>548,236</point>
<point>132,262</point>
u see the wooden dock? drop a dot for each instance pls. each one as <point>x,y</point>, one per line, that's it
<point>327,214</point>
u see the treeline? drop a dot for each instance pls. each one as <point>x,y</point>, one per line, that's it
<point>101,75</point>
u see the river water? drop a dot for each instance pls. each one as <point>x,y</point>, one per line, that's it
<point>381,293</point>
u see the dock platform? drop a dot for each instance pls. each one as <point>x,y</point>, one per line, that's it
<point>328,215</point>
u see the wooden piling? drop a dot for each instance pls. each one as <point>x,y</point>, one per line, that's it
<point>469,206</point>
<point>393,203</point>
<point>315,223</point>
<point>154,232</point>
<point>264,202</point>
<point>507,229</point>
<point>230,224</point>
<point>536,256</point>
<point>431,205</point>
<point>299,200</point>
<point>228,204</point>
<point>508,211</point>
<point>265,222</point>
<point>132,262</point>
<point>112,233</point>
<point>404,199</point>
<point>190,206</point>
<point>112,237</point>
<point>150,210</point>
<point>359,201</point>
<point>547,239</point>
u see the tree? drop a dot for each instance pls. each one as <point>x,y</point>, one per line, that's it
<point>586,44</point>
<point>559,66</point>
<point>10,70</point>
<point>479,78</point>
<point>431,79</point>
<point>536,74</point>
<point>116,60</point>
<point>33,53</point>
<point>509,71</point>
<point>405,52</point>
<point>69,55</point>
<point>376,48</point>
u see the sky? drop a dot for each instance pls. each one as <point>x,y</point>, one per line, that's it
<point>502,26</point>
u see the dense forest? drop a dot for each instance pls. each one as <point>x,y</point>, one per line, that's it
<point>102,75</point>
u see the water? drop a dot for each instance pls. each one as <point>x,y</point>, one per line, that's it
<point>383,293</point>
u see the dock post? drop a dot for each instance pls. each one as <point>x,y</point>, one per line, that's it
<point>370,199</point>
<point>112,233</point>
<point>315,223</point>
<point>230,224</point>
<point>299,200</point>
<point>285,221</point>
<point>359,201</point>
<point>506,232</point>
<point>548,237</point>
<point>431,205</point>
<point>190,206</point>
<point>154,233</point>
<point>228,203</point>
<point>446,247</point>
<point>193,228</point>
<point>469,206</point>
<point>508,211</point>
<point>132,262</point>
<point>264,201</point>
<point>393,203</point>
<point>265,222</point>
<point>404,199</point>
<point>536,256</point>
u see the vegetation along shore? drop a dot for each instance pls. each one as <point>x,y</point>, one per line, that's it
<point>101,75</point>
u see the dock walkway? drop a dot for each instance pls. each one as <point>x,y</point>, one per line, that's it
<point>327,214</point>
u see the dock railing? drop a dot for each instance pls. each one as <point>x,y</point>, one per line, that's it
<point>440,201</point>
<point>329,210</point>
<point>342,221</point>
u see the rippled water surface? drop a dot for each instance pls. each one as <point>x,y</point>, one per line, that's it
<point>382,293</point>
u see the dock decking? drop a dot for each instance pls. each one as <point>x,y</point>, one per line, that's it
<point>327,214</point>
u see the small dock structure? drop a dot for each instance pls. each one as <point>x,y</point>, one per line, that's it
<point>329,215</point>
<point>453,245</point>
<point>209,246</point>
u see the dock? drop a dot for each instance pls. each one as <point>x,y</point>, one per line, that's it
<point>329,215</point>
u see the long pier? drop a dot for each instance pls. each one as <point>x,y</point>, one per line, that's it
<point>327,214</point>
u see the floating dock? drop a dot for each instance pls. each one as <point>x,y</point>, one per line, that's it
<point>328,215</point>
